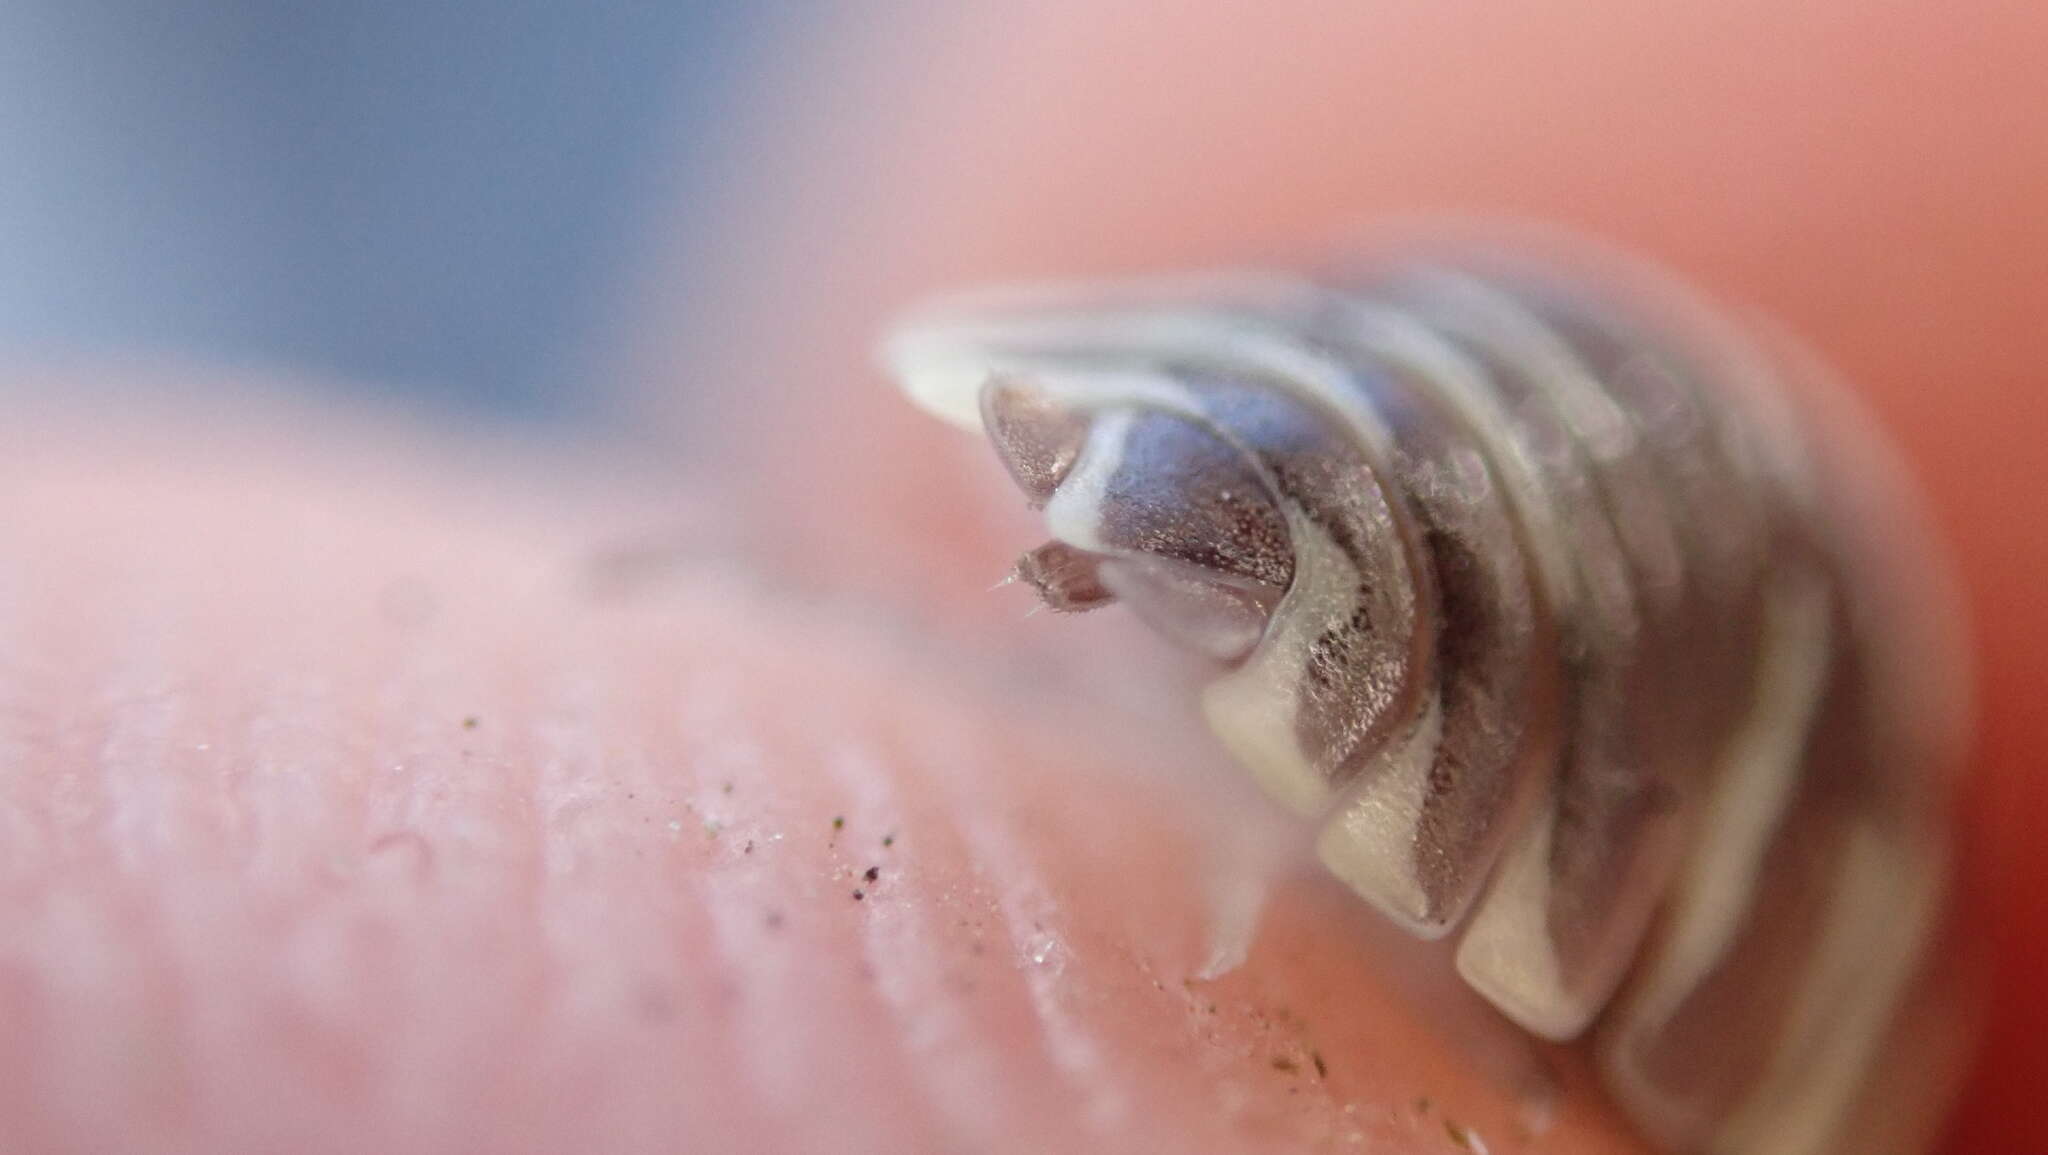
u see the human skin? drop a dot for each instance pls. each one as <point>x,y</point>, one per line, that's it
<point>370,788</point>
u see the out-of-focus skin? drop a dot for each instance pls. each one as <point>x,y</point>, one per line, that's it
<point>368,790</point>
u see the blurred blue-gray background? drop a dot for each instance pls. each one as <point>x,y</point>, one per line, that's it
<point>442,198</point>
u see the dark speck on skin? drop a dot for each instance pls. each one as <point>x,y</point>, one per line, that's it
<point>1284,1063</point>
<point>471,722</point>
<point>1322,1068</point>
<point>873,873</point>
<point>1459,1135</point>
<point>859,894</point>
<point>888,840</point>
<point>838,823</point>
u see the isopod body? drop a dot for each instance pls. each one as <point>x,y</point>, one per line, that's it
<point>1570,624</point>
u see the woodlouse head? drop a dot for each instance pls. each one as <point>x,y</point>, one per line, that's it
<point>1146,503</point>
<point>1194,463</point>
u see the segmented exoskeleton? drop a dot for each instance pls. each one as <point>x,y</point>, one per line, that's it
<point>1571,634</point>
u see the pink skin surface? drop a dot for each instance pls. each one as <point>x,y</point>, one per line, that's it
<point>364,795</point>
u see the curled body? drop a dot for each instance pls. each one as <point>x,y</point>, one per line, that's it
<point>1576,622</point>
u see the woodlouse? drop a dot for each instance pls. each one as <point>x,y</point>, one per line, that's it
<point>1576,629</point>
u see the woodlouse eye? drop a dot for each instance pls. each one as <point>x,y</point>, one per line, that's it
<point>1036,436</point>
